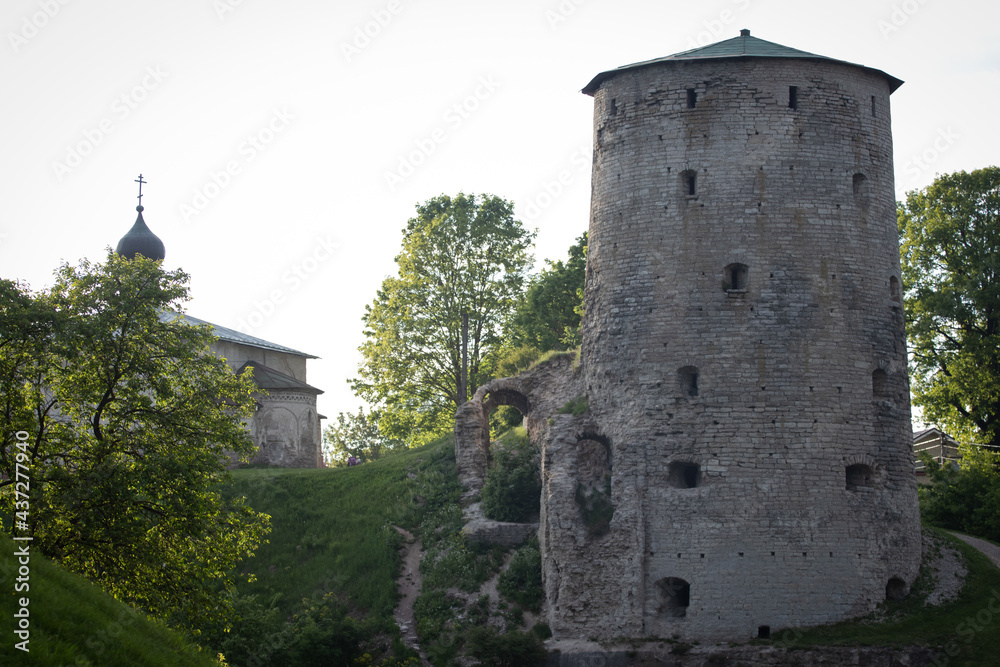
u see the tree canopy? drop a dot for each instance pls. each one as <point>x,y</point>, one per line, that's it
<point>357,436</point>
<point>950,245</point>
<point>432,328</point>
<point>548,316</point>
<point>121,422</point>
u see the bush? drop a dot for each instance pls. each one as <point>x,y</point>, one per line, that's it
<point>510,649</point>
<point>522,582</point>
<point>965,499</point>
<point>513,487</point>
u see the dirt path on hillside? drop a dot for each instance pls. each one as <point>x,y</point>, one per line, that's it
<point>991,550</point>
<point>408,583</point>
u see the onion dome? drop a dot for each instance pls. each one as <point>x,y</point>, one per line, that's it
<point>140,241</point>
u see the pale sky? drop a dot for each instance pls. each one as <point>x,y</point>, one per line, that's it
<point>285,144</point>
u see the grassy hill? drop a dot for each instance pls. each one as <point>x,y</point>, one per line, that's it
<point>73,622</point>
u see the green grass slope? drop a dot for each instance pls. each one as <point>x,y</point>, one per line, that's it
<point>333,529</point>
<point>73,622</point>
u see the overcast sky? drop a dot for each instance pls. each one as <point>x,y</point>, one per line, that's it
<point>285,144</point>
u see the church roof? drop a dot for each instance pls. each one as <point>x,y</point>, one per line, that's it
<point>740,47</point>
<point>140,241</point>
<point>272,380</point>
<point>233,336</point>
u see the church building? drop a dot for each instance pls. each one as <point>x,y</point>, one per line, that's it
<point>286,426</point>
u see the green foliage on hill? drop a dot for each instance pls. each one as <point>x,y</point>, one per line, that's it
<point>328,573</point>
<point>521,582</point>
<point>73,622</point>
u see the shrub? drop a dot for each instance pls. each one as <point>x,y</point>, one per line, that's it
<point>576,407</point>
<point>510,649</point>
<point>966,499</point>
<point>522,581</point>
<point>513,487</point>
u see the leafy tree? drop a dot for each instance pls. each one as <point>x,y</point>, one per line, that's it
<point>950,235</point>
<point>548,316</point>
<point>966,499</point>
<point>122,421</point>
<point>432,328</point>
<point>358,435</point>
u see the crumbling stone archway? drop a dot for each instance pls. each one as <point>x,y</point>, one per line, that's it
<point>472,427</point>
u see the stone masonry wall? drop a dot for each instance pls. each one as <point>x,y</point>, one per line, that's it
<point>743,350</point>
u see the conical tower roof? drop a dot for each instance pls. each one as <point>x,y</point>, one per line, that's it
<point>743,46</point>
<point>140,241</point>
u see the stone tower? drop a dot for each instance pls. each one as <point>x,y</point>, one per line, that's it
<point>743,356</point>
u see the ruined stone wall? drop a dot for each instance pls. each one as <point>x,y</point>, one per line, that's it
<point>743,358</point>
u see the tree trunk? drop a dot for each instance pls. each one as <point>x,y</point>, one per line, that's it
<point>463,384</point>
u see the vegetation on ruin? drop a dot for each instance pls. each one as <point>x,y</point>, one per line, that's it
<point>513,487</point>
<point>575,407</point>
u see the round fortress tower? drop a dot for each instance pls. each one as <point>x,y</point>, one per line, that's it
<point>743,351</point>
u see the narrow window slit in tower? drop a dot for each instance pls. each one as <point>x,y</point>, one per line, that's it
<point>684,475</point>
<point>688,379</point>
<point>613,110</point>
<point>692,98</point>
<point>793,97</point>
<point>873,106</point>
<point>689,180</point>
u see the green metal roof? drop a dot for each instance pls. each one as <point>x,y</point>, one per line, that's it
<point>743,46</point>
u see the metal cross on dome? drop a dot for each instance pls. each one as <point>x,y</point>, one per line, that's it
<point>140,182</point>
